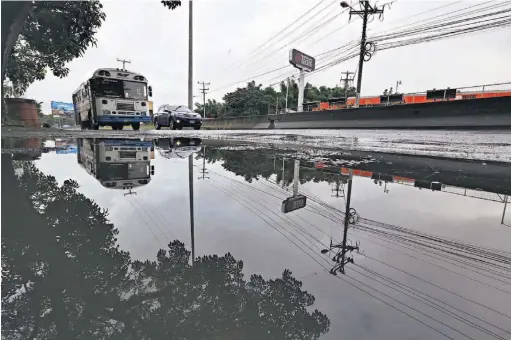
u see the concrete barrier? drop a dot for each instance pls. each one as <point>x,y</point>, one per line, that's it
<point>470,113</point>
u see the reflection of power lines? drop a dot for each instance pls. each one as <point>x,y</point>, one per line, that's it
<point>257,197</point>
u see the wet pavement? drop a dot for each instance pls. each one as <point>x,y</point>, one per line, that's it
<point>84,219</point>
<point>484,145</point>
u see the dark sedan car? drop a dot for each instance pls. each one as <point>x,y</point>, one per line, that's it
<point>177,117</point>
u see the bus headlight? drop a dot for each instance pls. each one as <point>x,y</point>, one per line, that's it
<point>106,112</point>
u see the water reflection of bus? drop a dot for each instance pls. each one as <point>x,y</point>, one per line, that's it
<point>178,147</point>
<point>117,163</point>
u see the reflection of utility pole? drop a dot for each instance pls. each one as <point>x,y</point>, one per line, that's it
<point>124,62</point>
<point>130,192</point>
<point>203,171</point>
<point>366,48</point>
<point>283,166</point>
<point>350,217</point>
<point>339,189</point>
<point>504,212</point>
<point>296,177</point>
<point>385,188</point>
<point>190,189</point>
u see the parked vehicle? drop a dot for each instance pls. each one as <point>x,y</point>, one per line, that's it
<point>176,117</point>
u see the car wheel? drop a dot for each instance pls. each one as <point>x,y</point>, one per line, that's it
<point>196,127</point>
<point>157,125</point>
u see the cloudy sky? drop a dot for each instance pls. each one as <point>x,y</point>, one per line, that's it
<point>226,31</point>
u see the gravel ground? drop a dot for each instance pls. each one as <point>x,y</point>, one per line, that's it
<point>489,145</point>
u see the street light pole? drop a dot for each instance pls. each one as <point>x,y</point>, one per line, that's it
<point>190,54</point>
<point>397,84</point>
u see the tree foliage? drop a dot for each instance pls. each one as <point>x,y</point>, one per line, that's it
<point>256,100</point>
<point>264,163</point>
<point>214,109</point>
<point>64,277</point>
<point>54,33</point>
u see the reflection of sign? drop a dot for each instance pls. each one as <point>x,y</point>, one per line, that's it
<point>357,172</point>
<point>62,109</point>
<point>294,203</point>
<point>301,60</point>
<point>319,165</point>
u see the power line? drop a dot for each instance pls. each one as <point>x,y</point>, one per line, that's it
<point>282,31</point>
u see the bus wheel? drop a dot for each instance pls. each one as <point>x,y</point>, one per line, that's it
<point>120,126</point>
<point>135,126</point>
<point>95,126</point>
<point>115,127</point>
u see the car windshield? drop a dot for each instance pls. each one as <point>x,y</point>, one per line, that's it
<point>182,109</point>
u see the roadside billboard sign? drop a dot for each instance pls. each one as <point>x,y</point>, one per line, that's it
<point>301,60</point>
<point>62,109</point>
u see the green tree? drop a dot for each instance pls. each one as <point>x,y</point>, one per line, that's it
<point>214,108</point>
<point>64,277</point>
<point>247,101</point>
<point>52,34</point>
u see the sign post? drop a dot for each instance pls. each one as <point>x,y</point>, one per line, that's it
<point>296,201</point>
<point>304,63</point>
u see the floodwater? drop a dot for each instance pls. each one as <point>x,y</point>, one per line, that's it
<point>98,237</point>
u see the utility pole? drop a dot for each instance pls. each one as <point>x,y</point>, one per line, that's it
<point>203,171</point>
<point>203,91</point>
<point>277,105</point>
<point>190,54</point>
<point>366,49</point>
<point>347,81</point>
<point>124,62</point>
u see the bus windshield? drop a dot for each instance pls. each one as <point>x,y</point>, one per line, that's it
<point>123,171</point>
<point>109,87</point>
<point>121,89</point>
<point>134,90</point>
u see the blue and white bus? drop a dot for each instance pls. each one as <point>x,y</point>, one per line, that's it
<point>112,97</point>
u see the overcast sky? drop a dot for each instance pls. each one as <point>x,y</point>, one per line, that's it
<point>226,31</point>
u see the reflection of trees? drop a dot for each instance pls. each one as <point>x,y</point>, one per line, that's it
<point>252,164</point>
<point>64,277</point>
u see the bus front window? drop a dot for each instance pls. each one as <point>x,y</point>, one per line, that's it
<point>109,87</point>
<point>134,90</point>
